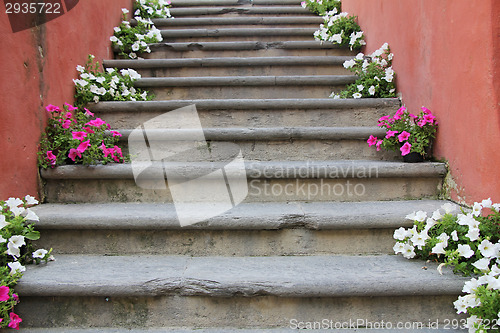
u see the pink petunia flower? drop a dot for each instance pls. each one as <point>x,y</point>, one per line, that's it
<point>89,130</point>
<point>78,135</point>
<point>426,110</point>
<point>14,321</point>
<point>66,124</point>
<point>52,108</point>
<point>88,113</point>
<point>429,118</point>
<point>390,134</point>
<point>116,133</point>
<point>118,151</point>
<point>372,140</point>
<point>403,136</point>
<point>401,111</point>
<point>51,157</point>
<point>379,143</point>
<point>405,150</point>
<point>68,115</point>
<point>383,119</point>
<point>73,153</point>
<point>4,293</point>
<point>98,122</point>
<point>70,107</point>
<point>107,151</point>
<point>82,147</point>
<point>15,297</point>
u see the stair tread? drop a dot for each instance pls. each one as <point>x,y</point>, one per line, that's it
<point>247,104</point>
<point>335,169</point>
<point>238,330</point>
<point>194,21</point>
<point>244,45</point>
<point>320,276</point>
<point>245,216</point>
<point>268,133</point>
<point>228,61</point>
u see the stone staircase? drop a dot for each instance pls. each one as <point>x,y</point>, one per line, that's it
<point>318,252</point>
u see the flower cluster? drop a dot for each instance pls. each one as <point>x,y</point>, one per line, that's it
<point>134,39</point>
<point>468,241</point>
<point>74,135</point>
<point>16,251</point>
<point>407,132</point>
<point>152,9</point>
<point>340,29</point>
<point>376,76</point>
<point>111,85</point>
<point>321,7</point>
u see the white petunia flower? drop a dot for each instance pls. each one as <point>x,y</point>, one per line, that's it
<point>12,250</point>
<point>398,247</point>
<point>487,248</point>
<point>81,83</point>
<point>437,215</point>
<point>487,203</point>
<point>439,248</point>
<point>476,209</point>
<point>482,264</point>
<point>408,251</point>
<point>471,286</point>
<point>336,38</point>
<point>356,95</point>
<point>40,253</point>
<point>113,39</point>
<point>454,236</point>
<point>349,63</point>
<point>17,210</point>
<point>496,207</point>
<point>125,11</point>
<point>360,56</point>
<point>13,202</point>
<point>419,239</point>
<point>17,241</point>
<point>473,234</point>
<point>371,90</point>
<point>15,267</point>
<point>400,234</point>
<point>3,222</point>
<point>80,68</point>
<point>465,251</point>
<point>31,216</point>
<point>360,87</point>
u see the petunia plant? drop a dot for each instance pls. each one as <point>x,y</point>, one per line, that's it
<point>407,132</point>
<point>375,75</point>
<point>16,233</point>
<point>321,7</point>
<point>340,29</point>
<point>469,242</point>
<point>95,85</point>
<point>133,39</point>
<point>75,135</point>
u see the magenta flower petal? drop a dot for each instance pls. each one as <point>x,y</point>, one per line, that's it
<point>82,147</point>
<point>403,136</point>
<point>14,321</point>
<point>390,134</point>
<point>52,108</point>
<point>405,149</point>
<point>372,140</point>
<point>4,293</point>
<point>73,153</point>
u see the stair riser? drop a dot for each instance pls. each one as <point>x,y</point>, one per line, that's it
<point>199,52</point>
<point>243,11</point>
<point>201,243</point>
<point>238,24</point>
<point>269,150</point>
<point>254,312</point>
<point>261,118</point>
<point>259,190</point>
<point>275,70</point>
<point>235,92</point>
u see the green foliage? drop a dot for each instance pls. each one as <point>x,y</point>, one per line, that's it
<point>340,29</point>
<point>375,75</point>
<point>322,7</point>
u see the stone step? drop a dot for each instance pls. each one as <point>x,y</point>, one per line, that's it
<point>236,66</point>
<point>266,144</point>
<point>273,34</point>
<point>239,10</point>
<point>245,49</point>
<point>276,181</point>
<point>249,229</point>
<point>256,292</point>
<point>255,112</point>
<point>193,3</point>
<point>252,21</point>
<point>237,87</point>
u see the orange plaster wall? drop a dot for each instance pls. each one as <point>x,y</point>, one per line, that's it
<point>447,59</point>
<point>36,69</point>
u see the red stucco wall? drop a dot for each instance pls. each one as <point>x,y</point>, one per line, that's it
<point>446,58</point>
<point>36,69</point>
